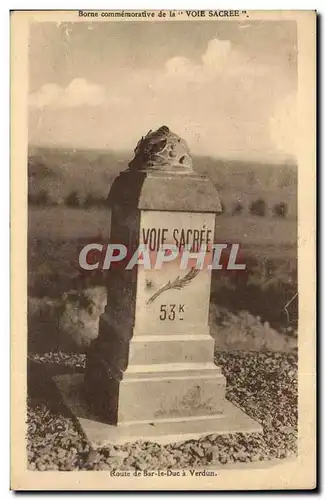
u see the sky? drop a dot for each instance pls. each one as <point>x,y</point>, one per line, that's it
<point>228,88</point>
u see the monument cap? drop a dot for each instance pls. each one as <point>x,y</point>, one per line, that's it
<point>162,150</point>
<point>161,177</point>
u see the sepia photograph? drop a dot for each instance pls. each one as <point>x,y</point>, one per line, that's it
<point>163,322</point>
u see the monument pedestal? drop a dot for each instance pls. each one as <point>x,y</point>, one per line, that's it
<point>150,374</point>
<point>163,430</point>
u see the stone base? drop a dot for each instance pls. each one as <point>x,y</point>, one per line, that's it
<point>163,431</point>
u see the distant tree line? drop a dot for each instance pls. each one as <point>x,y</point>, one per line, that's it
<point>258,208</point>
<point>74,199</point>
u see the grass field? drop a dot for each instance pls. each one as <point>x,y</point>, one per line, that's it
<point>57,232</point>
<point>64,223</point>
<point>57,174</point>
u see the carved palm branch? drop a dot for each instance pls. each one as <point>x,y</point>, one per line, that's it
<point>177,284</point>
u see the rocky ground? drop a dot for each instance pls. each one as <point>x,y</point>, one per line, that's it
<point>263,384</point>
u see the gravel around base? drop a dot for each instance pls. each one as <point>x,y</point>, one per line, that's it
<point>264,385</point>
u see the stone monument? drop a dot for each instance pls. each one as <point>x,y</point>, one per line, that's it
<point>150,374</point>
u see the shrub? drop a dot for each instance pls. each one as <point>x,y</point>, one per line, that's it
<point>280,209</point>
<point>40,198</point>
<point>94,201</point>
<point>89,201</point>
<point>79,321</point>
<point>73,199</point>
<point>68,323</point>
<point>238,208</point>
<point>258,207</point>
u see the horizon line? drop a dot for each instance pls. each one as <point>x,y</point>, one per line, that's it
<point>277,158</point>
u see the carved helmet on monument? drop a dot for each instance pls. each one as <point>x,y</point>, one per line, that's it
<point>162,150</point>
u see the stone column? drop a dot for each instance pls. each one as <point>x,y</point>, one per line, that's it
<point>150,374</point>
